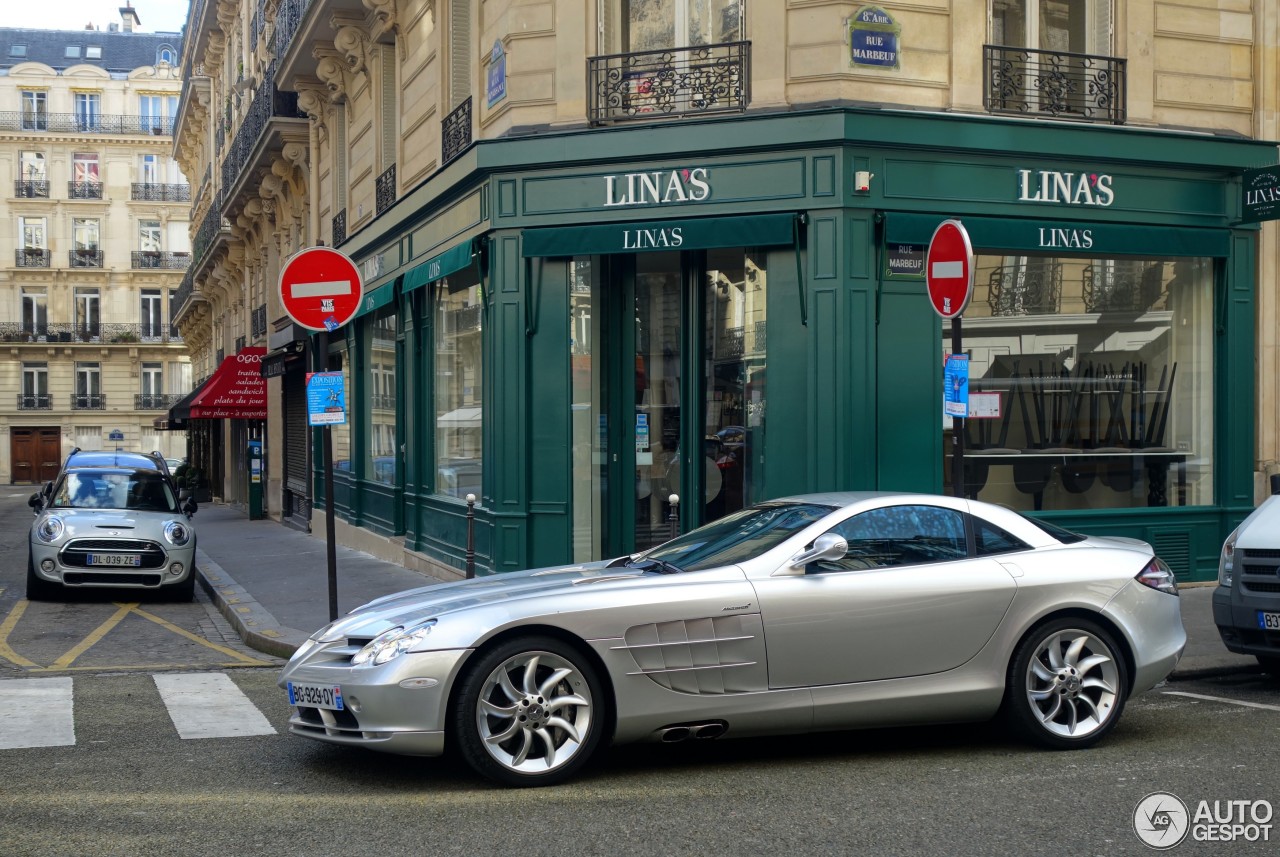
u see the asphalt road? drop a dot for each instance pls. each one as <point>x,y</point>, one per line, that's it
<point>132,766</point>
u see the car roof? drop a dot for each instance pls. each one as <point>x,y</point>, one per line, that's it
<point>103,458</point>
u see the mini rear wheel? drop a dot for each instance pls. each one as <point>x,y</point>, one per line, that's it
<point>1066,685</point>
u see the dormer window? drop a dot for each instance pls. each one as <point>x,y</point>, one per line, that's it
<point>93,52</point>
<point>17,50</point>
<point>73,52</point>
<point>165,55</point>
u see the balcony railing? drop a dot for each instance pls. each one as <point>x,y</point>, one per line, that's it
<point>288,19</point>
<point>155,401</point>
<point>1031,289</point>
<point>159,259</point>
<point>268,103</point>
<point>240,344</point>
<point>85,258</point>
<point>147,192</point>
<point>385,189</point>
<point>111,332</point>
<point>1054,83</point>
<point>31,258</point>
<point>181,295</point>
<point>455,132</point>
<point>208,232</point>
<point>88,401</point>
<point>1125,285</point>
<point>35,402</point>
<point>339,227</point>
<point>647,85</point>
<point>74,123</point>
<point>31,189</point>
<point>258,321</point>
<point>84,190</point>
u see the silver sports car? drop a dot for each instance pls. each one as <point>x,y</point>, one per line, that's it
<point>809,613</point>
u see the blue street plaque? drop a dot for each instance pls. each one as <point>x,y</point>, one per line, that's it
<point>874,39</point>
<point>496,88</point>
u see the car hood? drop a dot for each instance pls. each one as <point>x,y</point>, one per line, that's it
<point>1261,528</point>
<point>440,599</point>
<point>81,522</point>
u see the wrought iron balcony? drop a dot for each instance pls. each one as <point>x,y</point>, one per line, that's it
<point>339,228</point>
<point>1054,83</point>
<point>31,257</point>
<point>76,123</point>
<point>258,321</point>
<point>455,132</point>
<point>84,190</point>
<point>647,85</point>
<point>155,401</point>
<point>181,295</point>
<point>385,190</point>
<point>208,232</point>
<point>31,189</point>
<point>110,332</point>
<point>159,259</point>
<point>88,402</point>
<point>289,17</point>
<point>91,258</point>
<point>35,402</point>
<point>1031,289</point>
<point>1125,285</point>
<point>147,192</point>
<point>268,103</point>
<point>24,331</point>
<point>240,343</point>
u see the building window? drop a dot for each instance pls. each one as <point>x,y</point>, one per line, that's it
<point>17,50</point>
<point>458,395</point>
<point>149,169</point>
<point>35,311</point>
<point>93,52</point>
<point>157,112</point>
<point>88,386</point>
<point>1098,376</point>
<point>152,380</point>
<point>32,233</point>
<point>1052,25</point>
<point>88,321</point>
<point>380,461</point>
<point>33,178</point>
<point>150,315</point>
<point>149,236</point>
<point>35,386</point>
<point>85,234</point>
<point>166,54</point>
<point>88,107</point>
<point>72,52</point>
<point>650,25</point>
<point>35,110</point>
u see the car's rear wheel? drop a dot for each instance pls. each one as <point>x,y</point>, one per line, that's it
<point>1066,685</point>
<point>529,712</point>
<point>38,589</point>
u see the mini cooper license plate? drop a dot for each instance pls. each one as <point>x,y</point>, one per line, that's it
<point>1269,621</point>
<point>114,559</point>
<point>316,696</point>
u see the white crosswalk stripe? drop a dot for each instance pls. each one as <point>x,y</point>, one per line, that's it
<point>36,713</point>
<point>40,712</point>
<point>209,705</point>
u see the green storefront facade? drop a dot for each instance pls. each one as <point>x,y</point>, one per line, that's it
<point>553,320</point>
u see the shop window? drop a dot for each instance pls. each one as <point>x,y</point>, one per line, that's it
<point>343,454</point>
<point>380,403</point>
<point>459,407</point>
<point>1091,383</point>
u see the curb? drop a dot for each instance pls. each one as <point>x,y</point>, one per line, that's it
<point>254,623</point>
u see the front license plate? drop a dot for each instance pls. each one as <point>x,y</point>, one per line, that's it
<point>1269,621</point>
<point>316,696</point>
<point>114,559</point>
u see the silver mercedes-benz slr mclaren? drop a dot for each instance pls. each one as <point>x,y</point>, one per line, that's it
<point>803,614</point>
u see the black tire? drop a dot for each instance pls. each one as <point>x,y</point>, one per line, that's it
<point>1270,664</point>
<point>1087,677</point>
<point>38,589</point>
<point>576,700</point>
<point>186,590</point>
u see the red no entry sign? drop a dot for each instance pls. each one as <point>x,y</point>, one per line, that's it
<point>948,268</point>
<point>320,288</point>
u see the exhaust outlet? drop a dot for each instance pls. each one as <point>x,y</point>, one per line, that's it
<point>710,730</point>
<point>676,734</point>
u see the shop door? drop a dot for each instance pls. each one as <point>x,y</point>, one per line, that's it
<point>36,454</point>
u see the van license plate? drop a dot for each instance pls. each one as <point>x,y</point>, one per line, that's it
<point>1269,621</point>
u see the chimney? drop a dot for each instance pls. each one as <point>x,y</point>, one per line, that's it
<point>113,27</point>
<point>129,17</point>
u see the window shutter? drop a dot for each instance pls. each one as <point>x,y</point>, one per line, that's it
<point>459,52</point>
<point>1099,25</point>
<point>340,157</point>
<point>390,107</point>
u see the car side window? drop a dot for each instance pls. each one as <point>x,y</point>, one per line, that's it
<point>897,536</point>
<point>990,539</point>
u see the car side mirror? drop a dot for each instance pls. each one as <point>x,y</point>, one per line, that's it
<point>184,493</point>
<point>36,501</point>
<point>828,546</point>
<point>189,507</point>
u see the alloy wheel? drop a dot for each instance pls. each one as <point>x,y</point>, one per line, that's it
<point>1072,683</point>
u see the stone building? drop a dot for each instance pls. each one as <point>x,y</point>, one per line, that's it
<point>601,240</point>
<point>95,242</point>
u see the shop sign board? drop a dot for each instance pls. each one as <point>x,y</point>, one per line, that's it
<point>949,269</point>
<point>874,39</point>
<point>321,289</point>
<point>906,259</point>
<point>1261,195</point>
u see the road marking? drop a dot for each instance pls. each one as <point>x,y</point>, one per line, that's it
<point>209,705</point>
<point>36,712</point>
<point>195,638</point>
<point>5,628</point>
<point>1223,699</point>
<point>87,643</point>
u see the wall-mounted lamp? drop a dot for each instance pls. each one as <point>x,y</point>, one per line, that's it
<point>862,181</point>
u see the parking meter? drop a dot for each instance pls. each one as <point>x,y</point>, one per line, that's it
<point>255,480</point>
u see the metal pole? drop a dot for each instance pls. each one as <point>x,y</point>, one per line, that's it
<point>471,536</point>
<point>673,518</point>
<point>957,423</point>
<point>330,549</point>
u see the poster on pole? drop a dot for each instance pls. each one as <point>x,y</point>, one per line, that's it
<point>326,399</point>
<point>955,394</point>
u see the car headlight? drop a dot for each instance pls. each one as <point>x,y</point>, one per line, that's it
<point>1226,563</point>
<point>50,529</point>
<point>393,643</point>
<point>177,533</point>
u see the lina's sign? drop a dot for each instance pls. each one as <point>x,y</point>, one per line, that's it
<point>659,187</point>
<point>1064,188</point>
<point>1261,195</point>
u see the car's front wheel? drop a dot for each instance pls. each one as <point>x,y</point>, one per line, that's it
<point>38,589</point>
<point>1066,685</point>
<point>1270,665</point>
<point>529,712</point>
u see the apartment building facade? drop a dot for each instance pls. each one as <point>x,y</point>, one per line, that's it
<point>602,240</point>
<point>94,244</point>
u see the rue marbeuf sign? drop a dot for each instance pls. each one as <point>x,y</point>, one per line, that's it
<point>1261,195</point>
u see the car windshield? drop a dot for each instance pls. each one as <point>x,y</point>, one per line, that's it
<point>1065,536</point>
<point>738,537</point>
<point>139,490</point>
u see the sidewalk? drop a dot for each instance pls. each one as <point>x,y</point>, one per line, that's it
<point>271,582</point>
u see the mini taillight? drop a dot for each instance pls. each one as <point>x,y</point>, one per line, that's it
<point>1157,575</point>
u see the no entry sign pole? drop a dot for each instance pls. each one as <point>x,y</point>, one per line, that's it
<point>321,290</point>
<point>949,276</point>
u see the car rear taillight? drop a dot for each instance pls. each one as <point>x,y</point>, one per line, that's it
<point>1157,575</point>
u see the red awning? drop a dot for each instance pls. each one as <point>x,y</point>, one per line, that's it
<point>236,391</point>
